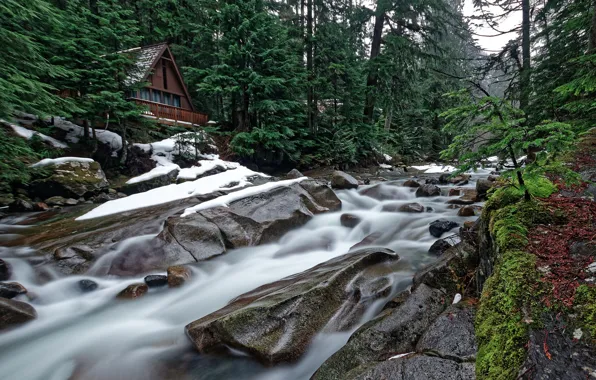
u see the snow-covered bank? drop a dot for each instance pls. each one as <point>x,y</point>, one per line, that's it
<point>28,134</point>
<point>60,160</point>
<point>75,132</point>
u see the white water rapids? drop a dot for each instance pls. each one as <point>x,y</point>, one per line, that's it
<point>94,336</point>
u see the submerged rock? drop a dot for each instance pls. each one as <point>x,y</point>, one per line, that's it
<point>349,220</point>
<point>342,181</point>
<point>156,280</point>
<point>5,270</point>
<point>439,227</point>
<point>11,289</point>
<point>178,275</point>
<point>87,285</point>
<point>428,191</point>
<point>133,291</point>
<point>14,313</point>
<point>276,322</point>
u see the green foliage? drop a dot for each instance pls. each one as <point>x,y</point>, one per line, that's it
<point>586,307</point>
<point>15,157</point>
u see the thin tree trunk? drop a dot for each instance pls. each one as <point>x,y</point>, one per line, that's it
<point>525,74</point>
<point>86,130</point>
<point>372,79</point>
<point>592,44</point>
<point>388,118</point>
<point>124,145</point>
<point>309,65</point>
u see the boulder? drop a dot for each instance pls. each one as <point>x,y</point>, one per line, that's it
<point>40,206</point>
<point>70,179</point>
<point>56,201</point>
<point>428,191</point>
<point>394,331</point>
<point>444,178</point>
<point>133,291</point>
<point>14,313</point>
<point>151,183</point>
<point>386,191</point>
<point>74,259</point>
<point>293,174</point>
<point>411,183</point>
<point>5,270</point>
<point>21,205</point>
<point>276,322</point>
<point>454,192</point>
<point>87,285</point>
<point>178,275</point>
<point>368,240</point>
<point>156,280</point>
<point>349,220</point>
<point>341,181</point>
<point>439,227</point>
<point>466,211</point>
<point>483,186</point>
<point>439,247</point>
<point>408,207</point>
<point>11,289</point>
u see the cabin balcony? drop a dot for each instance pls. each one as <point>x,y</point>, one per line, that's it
<point>171,115</point>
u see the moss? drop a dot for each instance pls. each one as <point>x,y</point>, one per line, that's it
<point>538,186</point>
<point>585,306</point>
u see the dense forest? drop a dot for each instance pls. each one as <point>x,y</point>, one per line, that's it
<point>316,82</point>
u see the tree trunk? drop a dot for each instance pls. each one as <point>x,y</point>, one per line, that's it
<point>371,80</point>
<point>592,44</point>
<point>525,74</point>
<point>86,130</point>
<point>309,66</point>
<point>388,118</point>
<point>124,155</point>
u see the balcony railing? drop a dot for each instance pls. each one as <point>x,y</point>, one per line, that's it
<point>172,115</point>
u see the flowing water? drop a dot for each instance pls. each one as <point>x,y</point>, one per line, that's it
<point>94,336</point>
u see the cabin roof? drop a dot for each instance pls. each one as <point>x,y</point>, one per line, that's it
<point>146,57</point>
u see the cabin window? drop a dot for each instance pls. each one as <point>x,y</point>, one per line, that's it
<point>164,71</point>
<point>176,101</point>
<point>157,96</point>
<point>132,94</point>
<point>167,99</point>
<point>145,94</point>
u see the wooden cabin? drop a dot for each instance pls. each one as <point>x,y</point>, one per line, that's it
<point>164,91</point>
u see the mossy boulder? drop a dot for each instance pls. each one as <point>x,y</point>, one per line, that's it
<point>276,322</point>
<point>70,179</point>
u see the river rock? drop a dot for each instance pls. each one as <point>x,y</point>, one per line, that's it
<point>87,285</point>
<point>21,205</point>
<point>5,270</point>
<point>71,179</point>
<point>276,322</point>
<point>151,183</point>
<point>444,178</point>
<point>451,335</point>
<point>341,181</point>
<point>11,289</point>
<point>439,227</point>
<point>408,207</point>
<point>14,313</point>
<point>432,181</point>
<point>385,191</point>
<point>133,291</point>
<point>411,183</point>
<point>73,259</point>
<point>454,192</point>
<point>483,186</point>
<point>428,191</point>
<point>40,206</point>
<point>293,174</point>
<point>394,331</point>
<point>368,240</point>
<point>439,247</point>
<point>466,211</point>
<point>178,275</point>
<point>156,280</point>
<point>56,201</point>
<point>349,220</point>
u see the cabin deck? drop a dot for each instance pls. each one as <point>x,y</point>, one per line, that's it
<point>171,115</point>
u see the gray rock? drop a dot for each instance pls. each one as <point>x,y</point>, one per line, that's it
<point>5,270</point>
<point>71,202</point>
<point>349,220</point>
<point>276,322</point>
<point>408,207</point>
<point>21,205</point>
<point>428,191</point>
<point>11,289</point>
<point>55,201</point>
<point>161,180</point>
<point>87,285</point>
<point>483,186</point>
<point>293,174</point>
<point>439,247</point>
<point>415,367</point>
<point>384,192</point>
<point>394,331</point>
<point>70,180</point>
<point>341,180</point>
<point>451,335</point>
<point>13,313</point>
<point>156,280</point>
<point>411,183</point>
<point>439,227</point>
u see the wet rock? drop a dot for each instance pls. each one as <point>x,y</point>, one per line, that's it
<point>439,247</point>
<point>349,220</point>
<point>103,198</point>
<point>384,192</point>
<point>408,207</point>
<point>133,291</point>
<point>451,335</point>
<point>11,289</point>
<point>439,227</point>
<point>394,331</point>
<point>368,240</point>
<point>452,271</point>
<point>468,197</point>
<point>428,191</point>
<point>56,201</point>
<point>415,367</point>
<point>444,178</point>
<point>87,285</point>
<point>40,206</point>
<point>71,202</point>
<point>493,178</point>
<point>74,259</point>
<point>462,183</point>
<point>454,192</point>
<point>156,280</point>
<point>152,183</point>
<point>178,275</point>
<point>466,211</point>
<point>341,180</point>
<point>5,270</point>
<point>21,205</point>
<point>293,174</point>
<point>276,322</point>
<point>13,313</point>
<point>483,186</point>
<point>411,183</point>
<point>433,181</point>
<point>70,180</point>
<point>198,236</point>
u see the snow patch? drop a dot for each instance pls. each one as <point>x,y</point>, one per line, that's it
<point>577,334</point>
<point>456,299</point>
<point>434,168</point>
<point>175,192</point>
<point>153,173</point>
<point>28,134</point>
<point>60,160</point>
<point>205,166</point>
<point>76,132</point>
<point>387,157</point>
<point>400,355</point>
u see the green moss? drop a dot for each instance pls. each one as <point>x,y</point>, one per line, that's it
<point>585,306</point>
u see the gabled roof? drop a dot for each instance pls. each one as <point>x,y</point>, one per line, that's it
<point>146,59</point>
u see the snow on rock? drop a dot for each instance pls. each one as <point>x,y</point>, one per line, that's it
<point>225,200</point>
<point>60,160</point>
<point>153,173</point>
<point>76,132</point>
<point>493,159</point>
<point>28,134</point>
<point>387,157</point>
<point>434,168</point>
<point>205,166</point>
<point>385,166</point>
<point>239,177</point>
